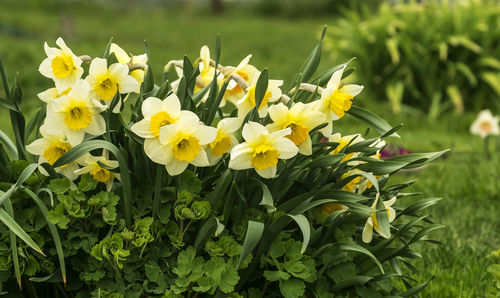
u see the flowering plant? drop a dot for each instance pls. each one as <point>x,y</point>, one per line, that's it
<point>218,181</point>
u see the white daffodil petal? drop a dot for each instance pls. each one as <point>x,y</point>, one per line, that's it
<point>201,160</point>
<point>286,148</point>
<point>335,79</point>
<point>367,233</point>
<point>176,167</point>
<point>352,89</point>
<point>150,106</point>
<point>240,157</point>
<point>156,151</point>
<point>143,129</point>
<point>267,173</point>
<point>253,130</point>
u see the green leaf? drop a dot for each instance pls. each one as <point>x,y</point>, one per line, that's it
<point>383,218</point>
<point>16,228</point>
<point>88,146</point>
<point>105,53</point>
<point>10,145</point>
<point>13,245</point>
<point>25,174</point>
<point>60,185</point>
<point>261,88</point>
<point>307,69</point>
<point>303,223</point>
<point>371,119</point>
<point>276,275</point>
<point>416,289</point>
<point>252,238</point>
<point>52,229</point>
<point>229,280</point>
<point>267,198</point>
<point>292,288</point>
<point>5,82</point>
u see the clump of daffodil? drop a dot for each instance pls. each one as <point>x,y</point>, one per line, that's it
<point>245,71</point>
<point>225,139</point>
<point>105,82</point>
<point>261,149</point>
<point>50,147</point>
<point>343,142</point>
<point>75,114</point>
<point>90,164</point>
<point>300,118</point>
<point>485,125</point>
<point>247,103</point>
<point>371,222</point>
<point>139,61</point>
<point>61,65</point>
<point>157,113</point>
<point>336,99</point>
<point>181,144</point>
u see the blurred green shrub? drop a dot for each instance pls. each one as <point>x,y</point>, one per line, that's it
<point>431,56</point>
<point>307,8</point>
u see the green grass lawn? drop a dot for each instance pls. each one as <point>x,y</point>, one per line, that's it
<point>467,181</point>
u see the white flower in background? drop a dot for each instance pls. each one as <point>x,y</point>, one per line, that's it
<point>61,65</point>
<point>485,124</point>
<point>300,118</point>
<point>371,222</point>
<point>181,144</point>
<point>106,81</point>
<point>157,113</point>
<point>248,73</point>
<point>262,150</point>
<point>343,142</point>
<point>225,139</point>
<point>49,148</point>
<point>75,114</point>
<point>336,100</point>
<point>90,165</point>
<point>126,59</point>
<point>247,103</point>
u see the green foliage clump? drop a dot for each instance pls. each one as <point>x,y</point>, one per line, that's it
<point>434,56</point>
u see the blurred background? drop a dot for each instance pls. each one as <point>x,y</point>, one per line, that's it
<point>432,65</point>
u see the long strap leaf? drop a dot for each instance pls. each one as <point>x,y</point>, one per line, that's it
<point>25,174</point>
<point>13,246</point>
<point>16,228</point>
<point>10,145</point>
<point>252,238</point>
<point>88,146</point>
<point>52,229</point>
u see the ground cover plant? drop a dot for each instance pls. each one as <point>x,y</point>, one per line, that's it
<point>215,181</point>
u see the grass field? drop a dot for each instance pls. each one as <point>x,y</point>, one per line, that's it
<point>467,181</point>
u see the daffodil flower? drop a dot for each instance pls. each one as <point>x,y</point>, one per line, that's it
<point>329,208</point>
<point>248,73</point>
<point>353,183</point>
<point>336,100</point>
<point>371,222</point>
<point>485,124</point>
<point>49,148</point>
<point>206,70</point>
<point>262,150</point>
<point>91,165</point>
<point>51,94</point>
<point>300,118</point>
<point>247,103</point>
<point>61,65</point>
<point>124,58</point>
<point>225,139</point>
<point>105,82</point>
<point>157,113</point>
<point>75,114</point>
<point>181,144</point>
<point>343,142</point>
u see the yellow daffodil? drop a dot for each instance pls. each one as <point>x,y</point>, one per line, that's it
<point>262,150</point>
<point>248,73</point>
<point>344,141</point>
<point>61,65</point>
<point>301,118</point>
<point>181,144</point>
<point>485,124</point>
<point>157,113</point>
<point>75,114</point>
<point>329,208</point>
<point>336,99</point>
<point>49,148</point>
<point>126,59</point>
<point>225,139</point>
<point>51,94</point>
<point>371,222</point>
<point>206,70</point>
<point>90,165</point>
<point>105,82</point>
<point>353,183</point>
<point>247,103</point>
